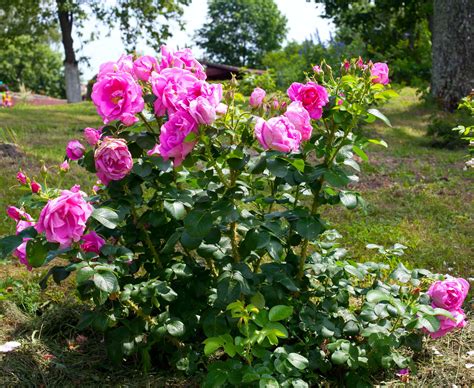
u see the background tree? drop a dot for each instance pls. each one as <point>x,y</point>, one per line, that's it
<point>34,64</point>
<point>453,48</point>
<point>392,30</point>
<point>144,18</point>
<point>240,32</point>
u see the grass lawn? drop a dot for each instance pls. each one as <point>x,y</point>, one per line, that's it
<point>416,195</point>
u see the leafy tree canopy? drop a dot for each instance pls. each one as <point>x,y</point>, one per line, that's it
<point>240,32</point>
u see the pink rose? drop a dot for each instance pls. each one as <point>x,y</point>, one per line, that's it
<point>202,111</point>
<point>299,117</point>
<point>360,64</point>
<point>174,88</point>
<point>379,71</point>
<point>449,294</point>
<point>35,187</point>
<point>317,69</point>
<point>22,225</point>
<point>20,253</point>
<point>123,64</point>
<point>143,67</point>
<point>113,160</point>
<point>346,65</point>
<point>75,150</point>
<point>313,97</point>
<point>118,97</point>
<point>182,59</point>
<point>447,324</point>
<point>275,104</point>
<point>92,242</point>
<point>257,96</point>
<point>172,138</point>
<point>64,218</point>
<point>64,166</point>
<point>278,134</point>
<point>20,177</point>
<point>92,135</point>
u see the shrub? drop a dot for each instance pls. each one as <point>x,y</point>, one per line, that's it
<point>207,249</point>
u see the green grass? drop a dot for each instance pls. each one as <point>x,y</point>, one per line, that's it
<point>416,195</point>
<point>41,134</point>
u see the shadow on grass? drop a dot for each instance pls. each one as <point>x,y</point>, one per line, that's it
<point>54,354</point>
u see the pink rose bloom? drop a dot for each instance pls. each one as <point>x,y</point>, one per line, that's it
<point>118,97</point>
<point>447,325</point>
<point>20,177</point>
<point>92,242</point>
<point>92,135</point>
<point>360,64</point>
<point>449,294</point>
<point>173,88</point>
<point>278,134</point>
<point>202,111</point>
<point>317,69</point>
<point>313,97</point>
<point>123,64</point>
<point>346,64</point>
<point>182,59</point>
<point>64,218</point>
<point>75,150</point>
<point>113,160</point>
<point>275,104</point>
<point>143,66</point>
<point>35,187</point>
<point>172,138</point>
<point>379,71</point>
<point>20,253</point>
<point>257,96</point>
<point>299,117</point>
<point>64,166</point>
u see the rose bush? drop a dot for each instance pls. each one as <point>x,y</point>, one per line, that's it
<point>203,246</point>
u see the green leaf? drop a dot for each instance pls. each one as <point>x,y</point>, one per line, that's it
<point>106,281</point>
<point>379,115</point>
<point>176,328</point>
<point>429,322</point>
<point>359,152</point>
<point>198,223</point>
<point>376,296</point>
<point>277,167</point>
<point>84,274</point>
<point>176,209</point>
<point>308,227</point>
<point>298,361</point>
<point>280,312</point>
<point>378,142</point>
<point>36,251</point>
<point>339,357</point>
<point>106,216</point>
<point>349,200</point>
<point>9,244</point>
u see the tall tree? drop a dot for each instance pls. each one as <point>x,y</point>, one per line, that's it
<point>453,50</point>
<point>392,30</point>
<point>137,18</point>
<point>240,32</point>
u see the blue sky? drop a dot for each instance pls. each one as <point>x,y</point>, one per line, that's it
<point>303,21</point>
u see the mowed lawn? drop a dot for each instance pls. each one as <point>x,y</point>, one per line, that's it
<point>416,195</point>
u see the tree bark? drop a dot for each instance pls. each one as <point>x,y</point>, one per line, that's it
<point>452,51</point>
<point>71,66</point>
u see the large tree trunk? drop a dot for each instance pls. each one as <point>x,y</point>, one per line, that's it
<point>452,51</point>
<point>71,68</point>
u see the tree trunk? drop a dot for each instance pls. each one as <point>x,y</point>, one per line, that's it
<point>452,51</point>
<point>71,68</point>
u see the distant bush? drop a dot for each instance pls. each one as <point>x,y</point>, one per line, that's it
<point>441,129</point>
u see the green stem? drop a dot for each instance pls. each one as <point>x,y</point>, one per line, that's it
<point>147,124</point>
